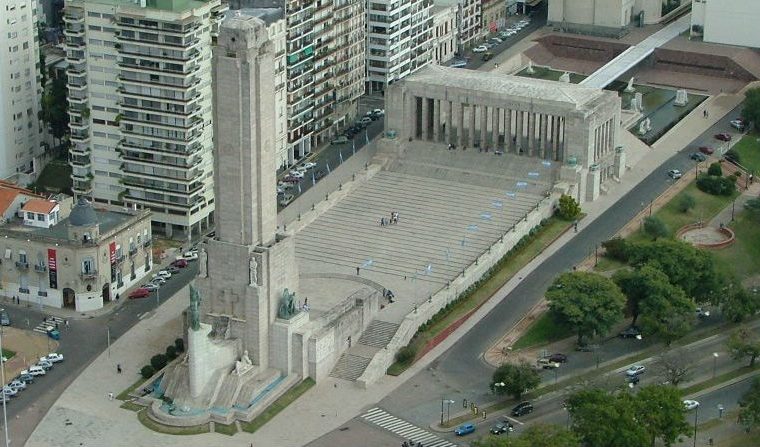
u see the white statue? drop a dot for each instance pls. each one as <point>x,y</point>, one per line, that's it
<point>682,98</point>
<point>243,365</point>
<point>253,275</point>
<point>634,106</point>
<point>642,127</point>
<point>630,88</point>
<point>530,69</point>
<point>565,77</point>
<point>649,124</point>
<point>203,265</point>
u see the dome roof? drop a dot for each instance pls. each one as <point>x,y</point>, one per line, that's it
<point>83,214</point>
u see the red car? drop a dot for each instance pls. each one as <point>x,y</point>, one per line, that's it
<point>139,293</point>
<point>180,263</point>
<point>723,136</point>
<point>291,179</point>
<point>706,150</point>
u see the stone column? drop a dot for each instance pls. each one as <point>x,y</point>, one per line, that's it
<point>449,135</point>
<point>483,126</point>
<point>519,131</point>
<point>560,139</point>
<point>471,127</point>
<point>437,120</point>
<point>508,145</point>
<point>425,124</point>
<point>532,134</point>
<point>545,152</point>
<point>494,127</point>
<point>412,122</point>
<point>460,125</point>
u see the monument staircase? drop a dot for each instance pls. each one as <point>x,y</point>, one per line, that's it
<point>354,361</point>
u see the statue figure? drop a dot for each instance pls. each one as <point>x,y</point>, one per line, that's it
<point>203,264</point>
<point>530,69</point>
<point>244,364</point>
<point>195,312</point>
<point>630,88</point>
<point>642,127</point>
<point>287,305</point>
<point>253,274</point>
<point>565,77</point>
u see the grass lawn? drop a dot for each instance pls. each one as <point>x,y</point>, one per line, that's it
<point>142,416</point>
<point>56,177</point>
<point>277,406</point>
<point>124,395</point>
<point>608,265</point>
<point>543,331</point>
<point>741,258</point>
<point>547,234</point>
<point>748,149</point>
<point>131,406</point>
<point>8,354</point>
<point>228,430</point>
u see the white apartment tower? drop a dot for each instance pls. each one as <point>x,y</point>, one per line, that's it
<point>139,81</point>
<point>399,34</point>
<point>20,91</point>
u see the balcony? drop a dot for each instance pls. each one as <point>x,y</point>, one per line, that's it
<point>40,268</point>
<point>73,19</point>
<point>132,251</point>
<point>22,265</point>
<point>89,275</point>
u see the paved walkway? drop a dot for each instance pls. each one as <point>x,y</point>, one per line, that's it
<point>83,414</point>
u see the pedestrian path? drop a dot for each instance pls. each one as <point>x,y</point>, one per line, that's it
<point>51,321</point>
<point>404,429</point>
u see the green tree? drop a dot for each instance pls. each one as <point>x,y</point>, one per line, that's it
<point>606,420</point>
<point>744,343</point>
<point>55,108</point>
<point>589,303</point>
<point>686,202</point>
<point>537,435</point>
<point>648,290</point>
<point>515,380</point>
<point>739,304</point>
<point>715,169</point>
<point>569,208</point>
<point>655,228</point>
<point>751,110</point>
<point>749,406</point>
<point>665,310</point>
<point>661,412</point>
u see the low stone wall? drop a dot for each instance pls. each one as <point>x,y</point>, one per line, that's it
<point>727,232</point>
<point>472,273</point>
<point>580,48</point>
<point>699,63</point>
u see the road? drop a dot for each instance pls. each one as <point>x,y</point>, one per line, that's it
<point>538,20</point>
<point>80,344</point>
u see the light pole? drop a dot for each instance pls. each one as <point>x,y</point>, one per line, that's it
<point>108,340</point>
<point>158,299</point>
<point>5,398</point>
<point>696,416</point>
<point>443,399</point>
<point>715,362</point>
<point>448,409</point>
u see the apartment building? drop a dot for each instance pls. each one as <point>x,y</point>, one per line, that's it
<point>444,42</point>
<point>469,17</point>
<point>399,40</point>
<point>20,91</point>
<point>139,82</point>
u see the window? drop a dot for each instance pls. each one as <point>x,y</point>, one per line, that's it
<point>88,265</point>
<point>30,216</point>
<point>41,217</point>
<point>22,256</point>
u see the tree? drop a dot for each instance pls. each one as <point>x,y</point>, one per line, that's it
<point>602,419</point>
<point>589,303</point>
<point>655,227</point>
<point>538,435</point>
<point>665,310</point>
<point>569,208</point>
<point>751,110</point>
<point>674,366</point>
<point>55,108</point>
<point>147,371</point>
<point>717,186</point>
<point>686,202</point>
<point>158,361</point>
<point>749,406</point>
<point>516,379</point>
<point>660,411</point>
<point>744,343</point>
<point>715,169</point>
<point>739,304</point>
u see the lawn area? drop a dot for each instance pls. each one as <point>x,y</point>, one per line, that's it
<point>228,430</point>
<point>748,149</point>
<point>741,258</point>
<point>543,331</point>
<point>56,177</point>
<point>124,395</point>
<point>144,419</point>
<point>8,354</point>
<point>606,264</point>
<point>504,271</point>
<point>277,406</point>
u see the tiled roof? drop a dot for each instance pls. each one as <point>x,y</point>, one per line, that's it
<point>8,193</point>
<point>39,206</point>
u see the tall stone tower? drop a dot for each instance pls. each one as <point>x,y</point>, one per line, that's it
<point>247,268</point>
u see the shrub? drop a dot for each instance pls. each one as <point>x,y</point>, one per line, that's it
<point>171,352</point>
<point>655,228</point>
<point>686,202</point>
<point>616,248</point>
<point>147,371</point>
<point>718,186</point>
<point>179,344</point>
<point>715,169</point>
<point>568,208</point>
<point>406,354</point>
<point>158,361</point>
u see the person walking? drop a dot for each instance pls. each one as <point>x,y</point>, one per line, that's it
<point>357,270</point>
<point>118,368</point>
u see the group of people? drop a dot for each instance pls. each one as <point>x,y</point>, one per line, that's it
<point>393,220</point>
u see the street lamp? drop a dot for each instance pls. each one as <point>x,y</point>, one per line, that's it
<point>5,398</point>
<point>696,416</point>
<point>715,362</point>
<point>448,409</point>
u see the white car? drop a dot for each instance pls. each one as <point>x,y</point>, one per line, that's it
<point>166,274</point>
<point>190,255</point>
<point>150,286</point>
<point>8,391</point>
<point>635,370</point>
<point>378,112</point>
<point>158,280</point>
<point>689,404</point>
<point>17,385</point>
<point>47,365</point>
<point>675,174</point>
<point>309,165</point>
<point>496,40</point>
<point>296,173</point>
<point>738,124</point>
<point>53,357</point>
<point>480,49</point>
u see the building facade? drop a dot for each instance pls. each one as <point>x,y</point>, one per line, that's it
<point>20,91</point>
<point>444,43</point>
<point>730,22</point>
<point>82,262</point>
<point>139,82</point>
<point>399,35</point>
<point>603,17</point>
<point>468,21</point>
<point>494,15</point>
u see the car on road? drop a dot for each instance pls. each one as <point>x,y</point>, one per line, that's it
<point>5,320</point>
<point>633,379</point>
<point>163,273</point>
<point>180,263</point>
<point>723,136</point>
<point>698,156</point>
<point>286,199</point>
<point>545,363</point>
<point>501,427</point>
<point>309,165</point>
<point>707,150</point>
<point>139,293</point>
<point>150,286</point>
<point>53,357</point>
<point>26,378</point>
<point>496,40</point>
<point>47,365</point>
<point>489,45</point>
<point>480,49</point>
<point>34,370</point>
<point>522,409</point>
<point>172,269</point>
<point>689,404</point>
<point>158,280</point>
<point>297,174</point>
<point>675,174</point>
<point>191,255</point>
<point>464,429</point>
<point>292,179</point>
<point>486,56</point>
<point>340,140</point>
<point>17,385</point>
<point>738,124</point>
<point>630,332</point>
<point>635,370</point>
<point>558,358</point>
<point>9,392</point>
<point>366,120</point>
<point>378,112</point>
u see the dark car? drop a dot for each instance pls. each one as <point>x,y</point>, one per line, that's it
<point>172,269</point>
<point>502,427</point>
<point>630,332</point>
<point>139,293</point>
<point>486,56</point>
<point>5,320</point>
<point>291,179</point>
<point>522,409</point>
<point>319,174</point>
<point>706,150</point>
<point>698,156</point>
<point>723,136</point>
<point>180,263</point>
<point>558,358</point>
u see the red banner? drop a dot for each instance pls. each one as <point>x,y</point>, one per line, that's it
<point>52,268</point>
<point>492,27</point>
<point>51,259</point>
<point>112,250</point>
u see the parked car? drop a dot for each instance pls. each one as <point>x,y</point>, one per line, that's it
<point>53,357</point>
<point>47,365</point>
<point>689,404</point>
<point>635,370</point>
<point>17,385</point>
<point>702,313</point>
<point>34,370</point>
<point>158,280</point>
<point>309,165</point>
<point>502,427</point>
<point>558,358</point>
<point>486,56</point>
<point>292,179</point>
<point>378,112</point>
<point>5,320</point>
<point>698,156</point>
<point>339,140</point>
<point>545,363</point>
<point>172,269</point>
<point>9,392</point>
<point>738,124</point>
<point>139,293</point>
<point>164,273</point>
<point>522,409</point>
<point>496,40</point>
<point>150,286</point>
<point>723,136</point>
<point>190,256</point>
<point>464,429</point>
<point>26,378</point>
<point>675,174</point>
<point>480,49</point>
<point>180,263</point>
<point>708,150</point>
<point>286,199</point>
<point>296,173</point>
<point>631,332</point>
<point>633,379</point>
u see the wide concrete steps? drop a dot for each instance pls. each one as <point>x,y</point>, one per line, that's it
<point>350,366</point>
<point>255,387</point>
<point>225,393</point>
<point>378,333</point>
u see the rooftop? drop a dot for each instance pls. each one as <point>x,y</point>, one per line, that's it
<point>39,206</point>
<point>8,193</point>
<point>500,85</point>
<point>177,6</point>
<point>268,15</point>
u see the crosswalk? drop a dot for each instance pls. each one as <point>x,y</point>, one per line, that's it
<point>51,321</point>
<point>404,429</point>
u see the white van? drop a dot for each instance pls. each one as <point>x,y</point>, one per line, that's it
<point>34,370</point>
